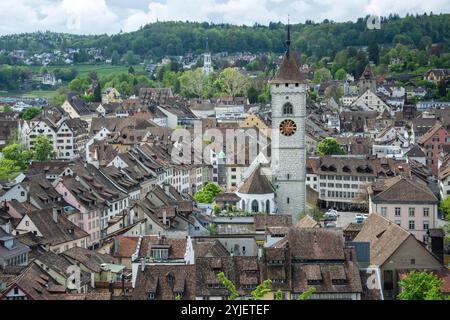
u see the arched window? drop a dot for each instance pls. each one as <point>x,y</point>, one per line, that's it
<point>267,206</point>
<point>287,109</point>
<point>255,206</point>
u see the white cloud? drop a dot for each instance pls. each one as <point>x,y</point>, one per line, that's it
<point>110,16</point>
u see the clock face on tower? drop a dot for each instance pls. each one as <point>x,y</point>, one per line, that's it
<point>288,127</point>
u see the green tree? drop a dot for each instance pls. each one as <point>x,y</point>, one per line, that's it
<point>340,74</point>
<point>442,88</point>
<point>58,99</point>
<point>420,286</point>
<point>31,113</point>
<point>13,137</point>
<point>131,58</point>
<point>308,293</point>
<point>42,149</point>
<point>330,146</point>
<point>80,84</point>
<point>193,83</point>
<point>261,290</point>
<point>207,193</point>
<point>19,157</point>
<point>252,94</point>
<point>212,229</point>
<point>115,58</point>
<point>9,169</point>
<point>445,207</point>
<point>98,93</point>
<point>232,82</point>
<point>374,52</point>
<point>278,295</point>
<point>321,75</point>
<point>229,285</point>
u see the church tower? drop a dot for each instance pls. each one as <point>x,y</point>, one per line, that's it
<point>288,91</point>
<point>207,62</point>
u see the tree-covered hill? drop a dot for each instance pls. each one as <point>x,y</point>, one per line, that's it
<point>314,40</point>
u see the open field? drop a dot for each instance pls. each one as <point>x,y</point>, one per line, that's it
<point>29,94</point>
<point>101,69</point>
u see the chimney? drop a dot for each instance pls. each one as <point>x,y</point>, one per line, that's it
<point>164,217</point>
<point>166,189</point>
<point>436,242</point>
<point>92,280</point>
<point>142,265</point>
<point>55,215</point>
<point>116,247</point>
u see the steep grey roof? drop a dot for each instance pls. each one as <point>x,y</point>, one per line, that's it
<point>288,72</point>
<point>17,248</point>
<point>256,183</point>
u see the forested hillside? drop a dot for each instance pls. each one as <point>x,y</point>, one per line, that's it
<point>314,40</point>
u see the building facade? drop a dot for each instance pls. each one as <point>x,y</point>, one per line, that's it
<point>288,136</point>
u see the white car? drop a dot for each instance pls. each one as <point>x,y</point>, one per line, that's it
<point>332,212</point>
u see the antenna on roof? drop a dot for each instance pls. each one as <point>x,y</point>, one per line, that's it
<point>288,40</point>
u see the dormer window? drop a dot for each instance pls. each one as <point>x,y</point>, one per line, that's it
<point>151,296</point>
<point>170,279</point>
<point>160,254</point>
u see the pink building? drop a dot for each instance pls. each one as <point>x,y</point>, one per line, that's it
<point>432,142</point>
<point>406,202</point>
<point>89,205</point>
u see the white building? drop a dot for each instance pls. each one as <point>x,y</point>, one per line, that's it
<point>207,62</point>
<point>256,193</point>
<point>230,113</point>
<point>288,90</point>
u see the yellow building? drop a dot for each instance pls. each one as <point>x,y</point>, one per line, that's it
<point>255,121</point>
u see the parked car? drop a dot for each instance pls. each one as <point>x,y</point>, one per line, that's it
<point>359,218</point>
<point>330,225</point>
<point>331,215</point>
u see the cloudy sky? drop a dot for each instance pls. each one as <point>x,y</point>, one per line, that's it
<point>111,16</point>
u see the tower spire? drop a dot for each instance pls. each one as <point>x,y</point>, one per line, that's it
<point>288,40</point>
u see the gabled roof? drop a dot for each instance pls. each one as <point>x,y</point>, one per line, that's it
<point>430,133</point>
<point>415,151</point>
<point>406,191</point>
<point>316,243</point>
<point>165,282</point>
<point>55,232</point>
<point>209,248</point>
<point>384,236</point>
<point>256,183</point>
<point>367,74</point>
<point>307,222</point>
<point>89,258</point>
<point>34,282</point>
<point>289,71</point>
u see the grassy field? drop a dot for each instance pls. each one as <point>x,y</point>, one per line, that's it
<point>29,94</point>
<point>83,69</point>
<point>101,69</point>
